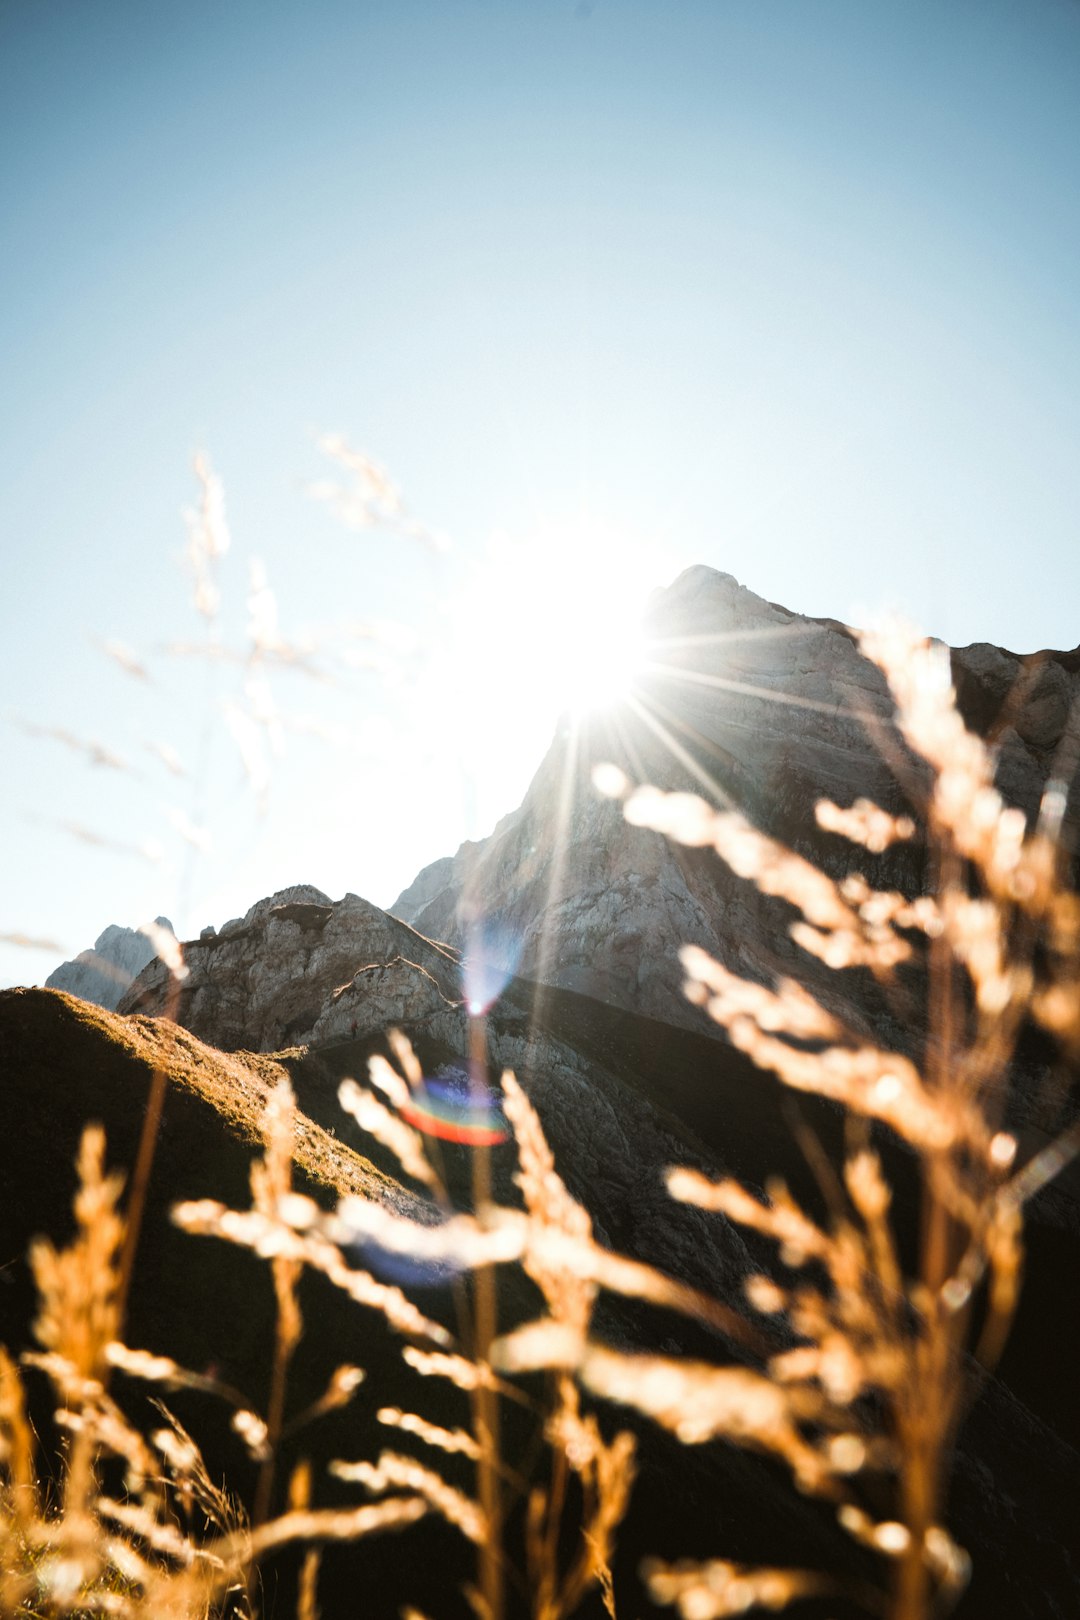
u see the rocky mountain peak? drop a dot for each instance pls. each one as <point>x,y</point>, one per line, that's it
<point>297,967</point>
<point>750,704</point>
<point>103,974</point>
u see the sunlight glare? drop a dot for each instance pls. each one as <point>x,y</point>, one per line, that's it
<point>545,632</point>
<point>598,663</point>
<point>566,604</point>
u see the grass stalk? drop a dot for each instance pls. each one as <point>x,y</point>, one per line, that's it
<point>485,1328</point>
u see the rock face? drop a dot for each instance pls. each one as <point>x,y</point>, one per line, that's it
<point>103,974</point>
<point>746,701</point>
<point>295,968</point>
<point>426,886</point>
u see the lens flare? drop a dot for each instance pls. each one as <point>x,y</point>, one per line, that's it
<point>454,1109</point>
<point>406,1270</point>
<point>490,962</point>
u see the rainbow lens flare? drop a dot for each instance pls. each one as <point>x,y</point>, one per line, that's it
<point>452,1109</point>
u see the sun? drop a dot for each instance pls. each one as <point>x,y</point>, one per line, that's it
<point>546,630</point>
<point>558,616</point>
<point>601,651</point>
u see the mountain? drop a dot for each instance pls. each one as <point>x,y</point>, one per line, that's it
<point>564,926</point>
<point>103,974</point>
<point>742,699</point>
<point>296,969</point>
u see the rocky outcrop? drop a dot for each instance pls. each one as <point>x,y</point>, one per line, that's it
<point>744,701</point>
<point>102,975</point>
<point>270,978</point>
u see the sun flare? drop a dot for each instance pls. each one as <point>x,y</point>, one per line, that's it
<point>596,661</point>
<point>567,605</point>
<point>548,628</point>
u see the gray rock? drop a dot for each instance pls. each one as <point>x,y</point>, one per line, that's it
<point>103,974</point>
<point>381,995</point>
<point>276,977</point>
<point>425,887</point>
<point>295,894</point>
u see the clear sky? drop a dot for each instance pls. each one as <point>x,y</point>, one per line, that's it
<point>790,287</point>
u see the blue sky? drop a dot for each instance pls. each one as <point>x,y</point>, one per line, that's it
<point>787,288</point>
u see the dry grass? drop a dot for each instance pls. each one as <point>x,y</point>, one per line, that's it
<point>238,1087</point>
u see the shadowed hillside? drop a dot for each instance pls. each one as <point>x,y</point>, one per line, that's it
<point>678,1097</point>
